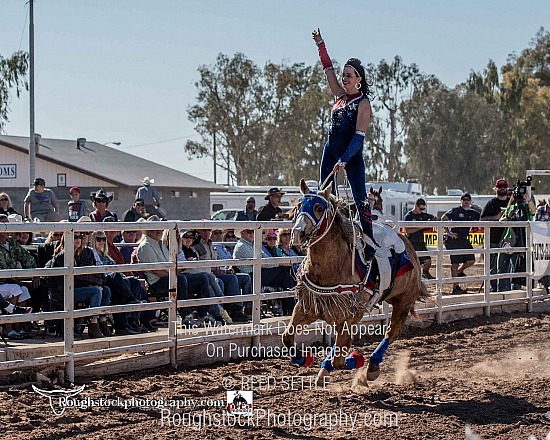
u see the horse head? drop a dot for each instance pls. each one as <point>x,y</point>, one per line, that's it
<point>311,221</point>
<point>375,199</point>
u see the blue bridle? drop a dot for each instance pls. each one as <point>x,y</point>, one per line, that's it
<point>308,203</point>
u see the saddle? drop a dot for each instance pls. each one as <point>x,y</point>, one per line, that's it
<point>389,253</point>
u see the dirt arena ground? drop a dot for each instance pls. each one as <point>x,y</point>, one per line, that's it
<point>488,376</point>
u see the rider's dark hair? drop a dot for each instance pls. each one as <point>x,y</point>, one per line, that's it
<point>355,63</point>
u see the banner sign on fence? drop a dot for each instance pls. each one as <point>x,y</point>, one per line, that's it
<point>476,238</point>
<point>541,248</point>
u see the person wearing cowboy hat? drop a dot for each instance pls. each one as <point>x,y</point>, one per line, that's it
<point>271,210</point>
<point>150,196</point>
<point>101,200</point>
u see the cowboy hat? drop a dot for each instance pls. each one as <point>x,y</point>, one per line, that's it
<point>272,192</point>
<point>101,194</point>
<point>186,231</point>
<point>147,181</point>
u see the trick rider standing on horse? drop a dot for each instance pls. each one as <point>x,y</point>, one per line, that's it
<point>350,118</point>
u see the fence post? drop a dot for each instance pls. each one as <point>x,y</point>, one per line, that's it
<point>439,273</point>
<point>529,267</point>
<point>256,285</point>
<point>173,295</point>
<point>68,322</point>
<point>487,270</point>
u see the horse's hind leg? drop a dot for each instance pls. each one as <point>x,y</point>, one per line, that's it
<point>296,323</point>
<point>398,317</point>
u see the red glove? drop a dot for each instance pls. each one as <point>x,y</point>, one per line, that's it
<point>323,55</point>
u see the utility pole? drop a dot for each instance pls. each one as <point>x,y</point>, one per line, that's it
<point>214,156</point>
<point>32,138</point>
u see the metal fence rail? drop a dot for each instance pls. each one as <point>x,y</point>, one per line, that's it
<point>69,314</point>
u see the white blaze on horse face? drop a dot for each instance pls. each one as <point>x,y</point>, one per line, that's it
<point>298,228</point>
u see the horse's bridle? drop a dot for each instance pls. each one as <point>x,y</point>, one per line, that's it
<point>321,226</point>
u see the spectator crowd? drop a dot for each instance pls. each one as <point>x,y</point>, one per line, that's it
<point>98,247</point>
<point>507,205</point>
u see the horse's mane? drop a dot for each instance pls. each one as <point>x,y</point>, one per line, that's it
<point>343,217</point>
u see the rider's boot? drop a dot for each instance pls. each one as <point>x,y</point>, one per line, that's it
<point>366,224</point>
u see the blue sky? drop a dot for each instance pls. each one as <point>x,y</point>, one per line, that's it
<point>124,70</point>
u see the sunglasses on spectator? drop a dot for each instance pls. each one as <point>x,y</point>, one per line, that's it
<point>139,204</point>
<point>101,200</point>
<point>271,238</point>
<point>499,187</point>
<point>188,237</point>
<point>217,232</point>
<point>251,201</point>
<point>57,235</point>
<point>101,239</point>
<point>78,237</point>
<point>466,200</point>
<point>4,200</point>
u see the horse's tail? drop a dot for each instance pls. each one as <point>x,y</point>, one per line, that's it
<point>424,296</point>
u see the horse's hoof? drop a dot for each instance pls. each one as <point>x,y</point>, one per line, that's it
<point>373,371</point>
<point>322,378</point>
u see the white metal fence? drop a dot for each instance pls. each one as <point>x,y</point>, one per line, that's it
<point>69,314</point>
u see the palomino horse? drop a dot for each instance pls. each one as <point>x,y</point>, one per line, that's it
<point>329,287</point>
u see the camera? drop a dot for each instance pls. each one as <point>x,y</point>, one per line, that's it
<point>521,188</point>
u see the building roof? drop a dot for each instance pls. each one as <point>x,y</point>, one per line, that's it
<point>123,169</point>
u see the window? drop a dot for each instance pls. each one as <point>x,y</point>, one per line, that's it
<point>217,207</point>
<point>175,193</point>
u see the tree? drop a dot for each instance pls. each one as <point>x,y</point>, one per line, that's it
<point>394,84</point>
<point>230,104</point>
<point>486,84</point>
<point>299,119</point>
<point>526,101</point>
<point>454,138</point>
<point>269,124</point>
<point>12,74</point>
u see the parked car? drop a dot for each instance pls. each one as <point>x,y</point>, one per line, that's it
<point>225,214</point>
<point>229,214</point>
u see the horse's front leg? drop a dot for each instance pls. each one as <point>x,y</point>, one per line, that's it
<point>295,325</point>
<point>339,356</point>
<point>398,317</point>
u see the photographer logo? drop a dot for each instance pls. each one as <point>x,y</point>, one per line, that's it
<point>58,397</point>
<point>239,402</point>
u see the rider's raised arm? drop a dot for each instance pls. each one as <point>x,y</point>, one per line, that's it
<point>335,87</point>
